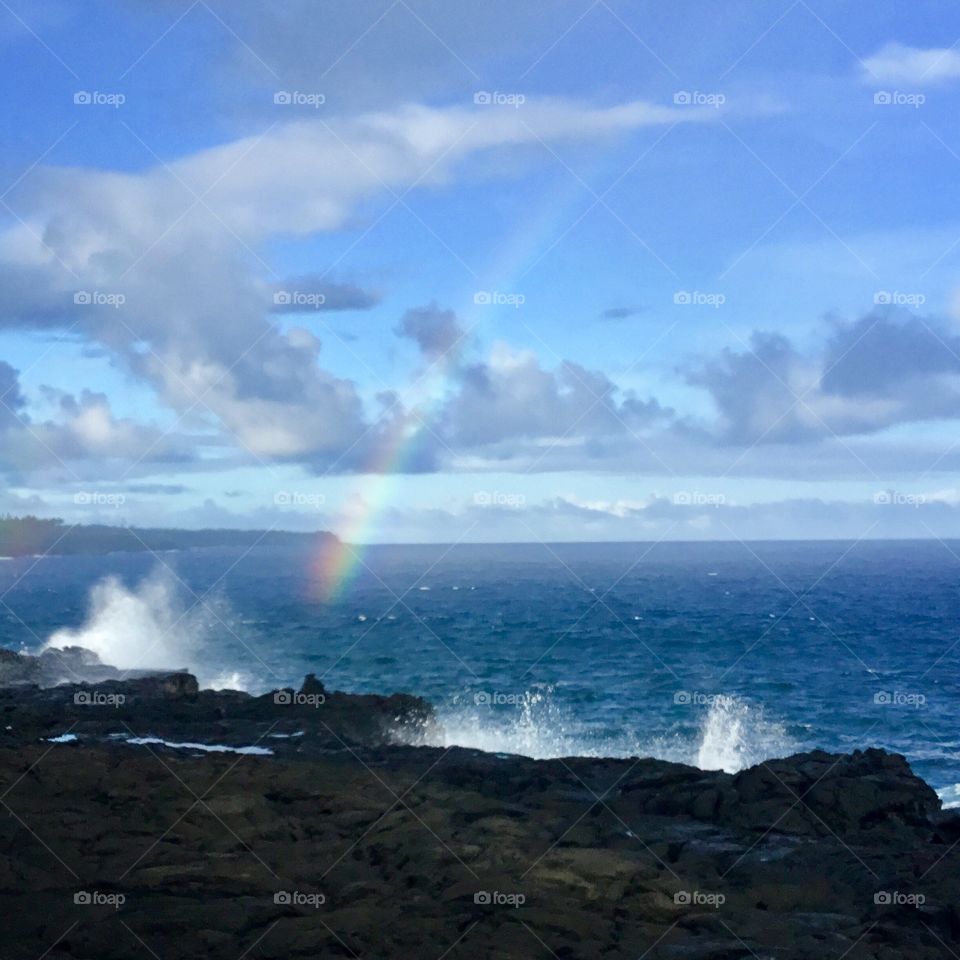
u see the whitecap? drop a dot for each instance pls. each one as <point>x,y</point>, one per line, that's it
<point>205,747</point>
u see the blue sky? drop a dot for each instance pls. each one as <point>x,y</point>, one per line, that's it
<point>420,270</point>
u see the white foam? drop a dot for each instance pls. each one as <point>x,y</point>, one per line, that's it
<point>227,680</point>
<point>731,734</point>
<point>736,735</point>
<point>141,628</point>
<point>532,727</point>
<point>205,747</point>
<point>158,741</point>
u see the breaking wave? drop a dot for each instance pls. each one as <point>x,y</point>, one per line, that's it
<point>147,627</point>
<point>730,734</point>
<point>735,735</point>
<point>154,625</point>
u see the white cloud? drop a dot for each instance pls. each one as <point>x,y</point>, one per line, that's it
<point>84,431</point>
<point>898,63</point>
<point>196,318</point>
<point>560,519</point>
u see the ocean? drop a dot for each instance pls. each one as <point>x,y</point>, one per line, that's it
<point>720,655</point>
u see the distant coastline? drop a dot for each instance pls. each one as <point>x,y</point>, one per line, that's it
<point>27,536</point>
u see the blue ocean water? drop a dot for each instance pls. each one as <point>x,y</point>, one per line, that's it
<point>717,654</point>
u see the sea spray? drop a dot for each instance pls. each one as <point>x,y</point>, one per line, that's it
<point>531,724</point>
<point>228,680</point>
<point>145,627</point>
<point>731,734</point>
<point>735,735</point>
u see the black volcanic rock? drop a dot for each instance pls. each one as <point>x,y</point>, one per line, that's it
<point>57,666</point>
<point>831,793</point>
<point>347,842</point>
<point>312,686</point>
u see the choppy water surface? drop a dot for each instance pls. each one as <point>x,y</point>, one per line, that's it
<point>718,655</point>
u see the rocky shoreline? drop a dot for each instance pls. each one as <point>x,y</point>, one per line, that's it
<point>145,817</point>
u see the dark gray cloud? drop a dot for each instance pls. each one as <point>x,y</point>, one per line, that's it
<point>310,292</point>
<point>886,368</point>
<point>31,298</point>
<point>159,489</point>
<point>511,397</point>
<point>436,332</point>
<point>756,390</point>
<point>11,397</point>
<point>885,353</point>
<point>620,313</point>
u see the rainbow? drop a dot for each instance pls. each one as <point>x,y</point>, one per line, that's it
<point>337,564</point>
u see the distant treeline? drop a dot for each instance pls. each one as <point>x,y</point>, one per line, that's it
<point>20,536</point>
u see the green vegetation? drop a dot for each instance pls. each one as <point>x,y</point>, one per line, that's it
<point>24,536</point>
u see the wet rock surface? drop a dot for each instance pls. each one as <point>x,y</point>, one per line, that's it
<point>55,666</point>
<point>344,842</point>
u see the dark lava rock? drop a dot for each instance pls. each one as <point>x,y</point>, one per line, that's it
<point>59,665</point>
<point>831,793</point>
<point>348,842</point>
<point>312,686</point>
